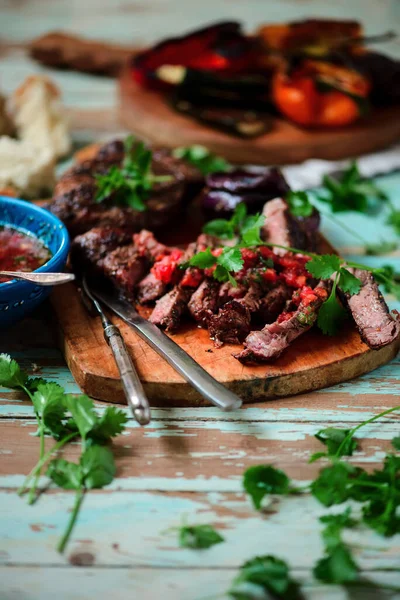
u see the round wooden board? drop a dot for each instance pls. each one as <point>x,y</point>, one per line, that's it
<point>149,116</point>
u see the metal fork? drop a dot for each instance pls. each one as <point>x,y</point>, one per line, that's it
<point>134,392</point>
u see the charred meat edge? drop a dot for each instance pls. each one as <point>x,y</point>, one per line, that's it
<point>370,312</point>
<point>273,339</point>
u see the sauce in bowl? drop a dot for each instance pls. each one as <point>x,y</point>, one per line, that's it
<point>20,252</point>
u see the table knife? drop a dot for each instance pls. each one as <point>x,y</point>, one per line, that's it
<point>134,392</point>
<point>175,356</point>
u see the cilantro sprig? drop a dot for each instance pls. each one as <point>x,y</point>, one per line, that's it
<point>66,417</point>
<point>131,183</point>
<point>202,158</point>
<point>198,537</point>
<point>264,577</point>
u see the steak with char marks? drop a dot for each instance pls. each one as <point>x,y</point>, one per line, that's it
<point>89,249</point>
<point>273,339</point>
<point>281,227</point>
<point>370,312</point>
<point>125,267</point>
<point>204,302</point>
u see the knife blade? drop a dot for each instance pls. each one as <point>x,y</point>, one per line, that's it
<point>175,356</point>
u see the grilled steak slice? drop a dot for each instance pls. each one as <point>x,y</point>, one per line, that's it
<point>74,197</point>
<point>228,292</point>
<point>149,289</point>
<point>273,303</point>
<point>281,227</point>
<point>169,309</point>
<point>273,339</point>
<point>125,267</point>
<point>370,312</point>
<point>233,322</point>
<point>89,250</point>
<point>193,178</point>
<point>231,325</point>
<point>148,246</point>
<point>204,302</point>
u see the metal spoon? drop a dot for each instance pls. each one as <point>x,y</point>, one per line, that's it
<point>40,278</point>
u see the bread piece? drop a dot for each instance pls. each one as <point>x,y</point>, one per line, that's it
<point>38,115</point>
<point>26,168</point>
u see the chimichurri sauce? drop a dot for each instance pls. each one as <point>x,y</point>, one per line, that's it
<point>20,252</point>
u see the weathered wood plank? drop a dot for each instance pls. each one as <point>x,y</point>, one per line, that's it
<point>130,529</point>
<point>199,455</point>
<point>82,583</point>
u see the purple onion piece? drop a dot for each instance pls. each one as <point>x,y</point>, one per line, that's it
<point>221,204</point>
<point>268,180</point>
<point>311,223</point>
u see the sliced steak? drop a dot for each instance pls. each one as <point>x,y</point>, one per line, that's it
<point>273,303</point>
<point>281,227</point>
<point>89,250</point>
<point>125,267</point>
<point>169,309</point>
<point>148,246</point>
<point>228,292</point>
<point>273,339</point>
<point>370,312</point>
<point>149,289</point>
<point>204,302</point>
<point>233,322</point>
<point>193,178</point>
<point>74,196</point>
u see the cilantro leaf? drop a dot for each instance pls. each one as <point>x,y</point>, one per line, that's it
<point>348,282</point>
<point>198,536</point>
<point>333,438</point>
<point>250,231</point>
<point>221,228</point>
<point>333,484</point>
<point>202,158</point>
<point>394,220</point>
<point>337,567</point>
<point>262,576</point>
<point>111,423</point>
<point>299,204</point>
<point>11,375</point>
<point>261,480</point>
<point>65,474</point>
<point>231,259</point>
<point>98,467</point>
<point>330,315</point>
<point>339,520</point>
<point>83,413</point>
<point>203,260</point>
<point>396,442</point>
<point>48,402</point>
<point>323,266</point>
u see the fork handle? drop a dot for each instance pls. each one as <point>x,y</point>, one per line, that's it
<point>131,383</point>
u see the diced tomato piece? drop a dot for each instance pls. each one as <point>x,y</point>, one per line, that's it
<point>267,252</point>
<point>269,275</point>
<point>176,254</point>
<point>321,293</point>
<point>285,316</point>
<point>217,251</point>
<point>289,262</point>
<point>192,277</point>
<point>250,258</point>
<point>209,272</point>
<point>165,269</point>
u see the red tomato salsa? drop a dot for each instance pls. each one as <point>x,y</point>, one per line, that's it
<point>20,252</point>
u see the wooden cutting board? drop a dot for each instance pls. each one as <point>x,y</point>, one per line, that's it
<point>314,361</point>
<point>148,115</point>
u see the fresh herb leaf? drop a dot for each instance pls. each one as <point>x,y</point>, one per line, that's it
<point>83,413</point>
<point>231,259</point>
<point>202,158</point>
<point>299,204</point>
<point>198,537</point>
<point>250,231</point>
<point>351,192</point>
<point>11,375</point>
<point>262,576</point>
<point>339,520</point>
<point>333,484</point>
<point>323,266</point>
<point>203,260</point>
<point>110,424</point>
<point>394,220</point>
<point>98,467</point>
<point>333,439</point>
<point>331,313</point>
<point>221,228</point>
<point>383,247</point>
<point>65,474</point>
<point>389,279</point>
<point>337,567</point>
<point>129,184</point>
<point>261,480</point>
<point>348,283</point>
<point>396,442</point>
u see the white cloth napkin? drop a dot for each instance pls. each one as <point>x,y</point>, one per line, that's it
<point>309,173</point>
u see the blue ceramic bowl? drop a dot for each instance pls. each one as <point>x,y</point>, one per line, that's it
<point>18,298</point>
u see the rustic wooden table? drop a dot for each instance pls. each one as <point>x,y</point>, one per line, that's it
<point>189,462</point>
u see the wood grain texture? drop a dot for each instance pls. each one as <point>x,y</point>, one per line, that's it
<point>148,115</point>
<point>312,362</point>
